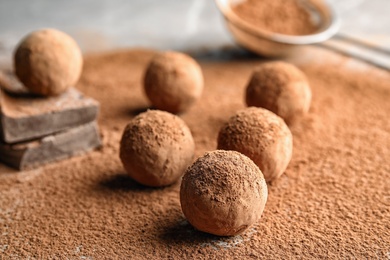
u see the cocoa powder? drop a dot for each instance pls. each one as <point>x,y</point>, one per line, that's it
<point>332,201</point>
<point>279,16</point>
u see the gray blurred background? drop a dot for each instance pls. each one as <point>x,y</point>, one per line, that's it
<point>100,25</point>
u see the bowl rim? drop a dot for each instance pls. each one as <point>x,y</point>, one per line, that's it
<point>330,25</point>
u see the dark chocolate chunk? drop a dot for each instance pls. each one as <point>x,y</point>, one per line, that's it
<point>51,148</point>
<point>24,116</point>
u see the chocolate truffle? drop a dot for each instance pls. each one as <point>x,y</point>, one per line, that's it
<point>262,136</point>
<point>223,193</point>
<point>156,148</point>
<point>48,62</point>
<point>281,88</point>
<point>173,81</point>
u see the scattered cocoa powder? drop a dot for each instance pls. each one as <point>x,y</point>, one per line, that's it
<point>223,193</point>
<point>48,62</point>
<point>332,201</point>
<point>281,88</point>
<point>156,148</point>
<point>279,16</point>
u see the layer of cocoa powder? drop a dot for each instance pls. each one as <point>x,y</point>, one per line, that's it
<point>280,16</point>
<point>332,202</point>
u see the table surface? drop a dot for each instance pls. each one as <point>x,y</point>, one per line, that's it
<point>173,24</point>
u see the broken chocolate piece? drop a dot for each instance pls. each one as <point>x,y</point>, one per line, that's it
<point>51,148</point>
<point>24,116</point>
<point>10,83</point>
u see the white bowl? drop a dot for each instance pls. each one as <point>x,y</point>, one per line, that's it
<point>270,44</point>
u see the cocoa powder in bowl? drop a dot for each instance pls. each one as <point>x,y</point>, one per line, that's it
<point>156,148</point>
<point>281,88</point>
<point>262,136</point>
<point>223,193</point>
<point>279,16</point>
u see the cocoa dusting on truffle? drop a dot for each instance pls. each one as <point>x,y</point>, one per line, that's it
<point>156,148</point>
<point>262,136</point>
<point>223,193</point>
<point>281,88</point>
<point>48,62</point>
<point>279,16</point>
<point>173,81</point>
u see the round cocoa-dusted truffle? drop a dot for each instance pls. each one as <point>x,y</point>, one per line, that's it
<point>173,81</point>
<point>156,148</point>
<point>223,193</point>
<point>262,136</point>
<point>48,62</point>
<point>281,88</point>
